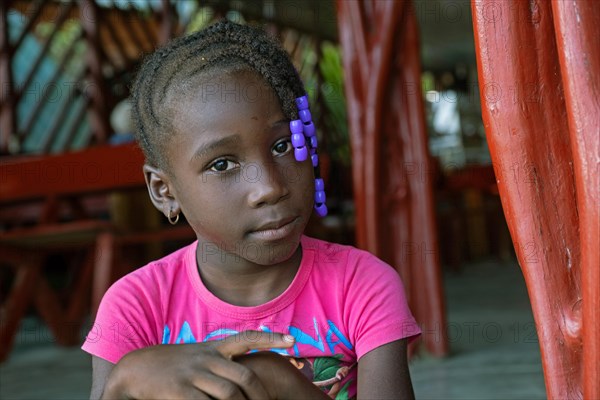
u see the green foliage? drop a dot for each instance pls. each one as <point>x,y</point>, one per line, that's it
<point>343,393</point>
<point>326,367</point>
<point>200,19</point>
<point>332,90</point>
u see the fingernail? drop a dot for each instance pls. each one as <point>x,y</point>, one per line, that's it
<point>289,338</point>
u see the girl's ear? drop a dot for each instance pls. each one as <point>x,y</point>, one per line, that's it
<point>160,190</point>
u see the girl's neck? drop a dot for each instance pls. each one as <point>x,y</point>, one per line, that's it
<point>246,284</point>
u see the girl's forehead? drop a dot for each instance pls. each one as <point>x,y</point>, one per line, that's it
<point>221,88</point>
<point>207,82</point>
<point>224,102</point>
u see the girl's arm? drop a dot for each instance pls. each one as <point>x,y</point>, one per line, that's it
<point>280,378</point>
<point>100,371</point>
<point>198,370</point>
<point>383,373</point>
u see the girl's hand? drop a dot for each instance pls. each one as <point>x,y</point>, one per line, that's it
<point>199,371</point>
<point>280,378</point>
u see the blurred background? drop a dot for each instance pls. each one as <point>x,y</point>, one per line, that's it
<point>74,203</point>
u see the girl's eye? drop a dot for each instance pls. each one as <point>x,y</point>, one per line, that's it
<point>282,147</point>
<point>222,165</point>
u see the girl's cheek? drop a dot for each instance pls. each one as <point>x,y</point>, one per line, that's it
<point>296,173</point>
<point>308,191</point>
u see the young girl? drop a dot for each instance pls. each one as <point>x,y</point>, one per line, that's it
<point>225,125</point>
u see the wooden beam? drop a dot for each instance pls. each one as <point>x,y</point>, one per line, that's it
<point>167,25</point>
<point>7,98</point>
<point>95,169</point>
<point>90,21</point>
<point>43,53</point>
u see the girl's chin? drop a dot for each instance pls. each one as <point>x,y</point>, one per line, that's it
<point>278,253</point>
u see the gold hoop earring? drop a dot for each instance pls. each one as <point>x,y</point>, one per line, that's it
<point>173,221</point>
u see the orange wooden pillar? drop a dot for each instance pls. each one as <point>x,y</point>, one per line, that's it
<point>391,174</point>
<point>577,27</point>
<point>539,68</point>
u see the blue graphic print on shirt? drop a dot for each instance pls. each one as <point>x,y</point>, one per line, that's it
<point>328,372</point>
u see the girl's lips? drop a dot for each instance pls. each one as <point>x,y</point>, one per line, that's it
<point>284,228</point>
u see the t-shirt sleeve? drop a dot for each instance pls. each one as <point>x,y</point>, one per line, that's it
<point>376,310</point>
<point>127,319</point>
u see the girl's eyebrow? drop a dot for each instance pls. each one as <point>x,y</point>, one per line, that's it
<point>282,121</point>
<point>211,145</point>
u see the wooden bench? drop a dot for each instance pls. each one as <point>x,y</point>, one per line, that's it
<point>44,213</point>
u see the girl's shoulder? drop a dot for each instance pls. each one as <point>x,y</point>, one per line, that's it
<point>157,273</point>
<point>343,258</point>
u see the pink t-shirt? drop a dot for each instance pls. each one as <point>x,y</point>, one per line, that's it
<point>342,303</point>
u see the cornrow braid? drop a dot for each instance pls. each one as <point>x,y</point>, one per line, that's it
<point>220,47</point>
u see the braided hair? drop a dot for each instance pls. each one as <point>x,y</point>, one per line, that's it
<point>224,46</point>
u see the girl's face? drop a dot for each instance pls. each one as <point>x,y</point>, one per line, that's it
<point>233,173</point>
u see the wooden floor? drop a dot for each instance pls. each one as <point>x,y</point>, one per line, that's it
<point>495,352</point>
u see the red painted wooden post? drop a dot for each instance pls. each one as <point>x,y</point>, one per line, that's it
<point>394,202</point>
<point>7,98</point>
<point>19,296</point>
<point>96,88</point>
<point>103,271</point>
<point>538,68</point>
<point>577,25</point>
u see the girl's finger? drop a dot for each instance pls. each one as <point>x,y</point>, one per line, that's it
<point>218,387</point>
<point>242,376</point>
<point>237,345</point>
<point>181,393</point>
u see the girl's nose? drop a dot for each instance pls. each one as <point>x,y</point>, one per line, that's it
<point>267,185</point>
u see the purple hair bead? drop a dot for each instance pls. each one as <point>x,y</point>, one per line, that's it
<point>299,143</point>
<point>315,160</point>
<point>302,102</point>
<point>319,185</point>
<point>319,197</point>
<point>309,129</point>
<point>321,210</point>
<point>296,126</point>
<point>301,154</point>
<point>298,140</point>
<point>301,129</point>
<point>305,116</point>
